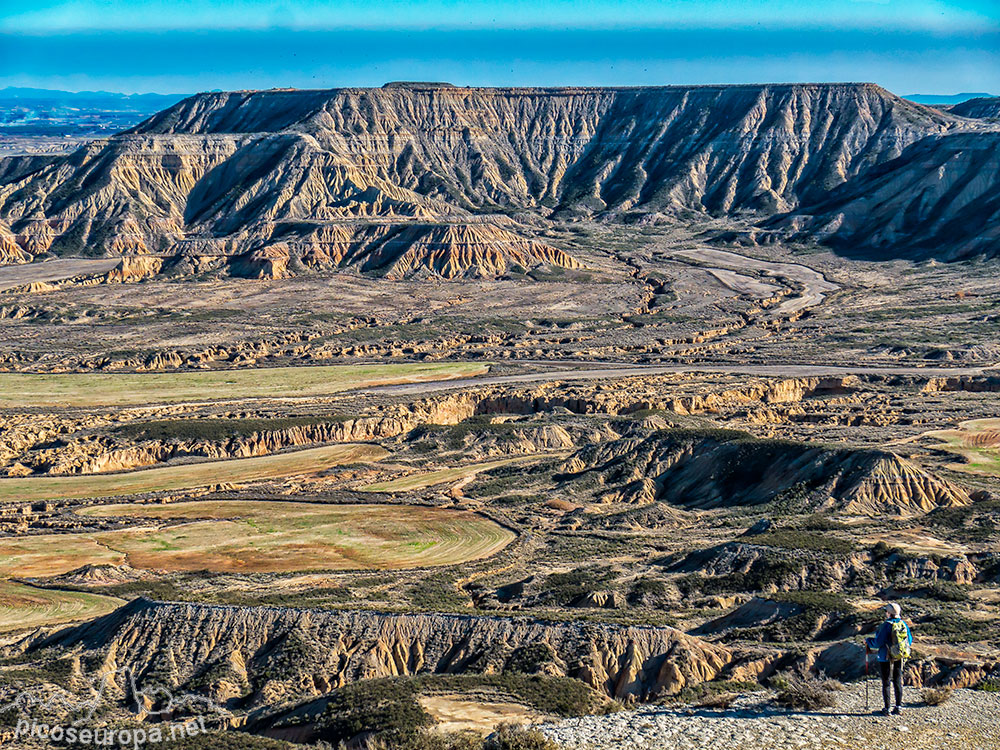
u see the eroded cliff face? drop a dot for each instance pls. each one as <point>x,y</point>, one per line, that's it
<point>405,180</point>
<point>268,654</point>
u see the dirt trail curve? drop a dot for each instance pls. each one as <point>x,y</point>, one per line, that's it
<point>814,286</point>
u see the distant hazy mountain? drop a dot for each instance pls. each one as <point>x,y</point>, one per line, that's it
<point>30,112</point>
<point>942,99</point>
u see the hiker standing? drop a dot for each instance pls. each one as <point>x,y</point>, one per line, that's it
<point>892,641</point>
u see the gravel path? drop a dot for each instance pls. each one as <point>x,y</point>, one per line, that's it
<point>584,370</point>
<point>970,720</point>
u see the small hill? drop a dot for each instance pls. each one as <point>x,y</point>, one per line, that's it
<point>721,468</point>
<point>939,199</point>
<point>983,107</point>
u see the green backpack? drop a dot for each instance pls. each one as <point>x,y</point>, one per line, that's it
<point>899,641</point>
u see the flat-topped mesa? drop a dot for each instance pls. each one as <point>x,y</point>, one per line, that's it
<point>237,168</point>
<point>274,110</point>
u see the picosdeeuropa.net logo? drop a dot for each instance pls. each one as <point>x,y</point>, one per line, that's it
<point>116,710</point>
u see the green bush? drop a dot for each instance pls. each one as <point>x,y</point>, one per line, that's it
<point>706,690</point>
<point>989,685</point>
<point>387,708</point>
<point>803,540</point>
<point>529,659</point>
<point>958,628</point>
<point>437,592</point>
<point>942,591</point>
<point>647,588</point>
<point>770,570</point>
<point>563,588</point>
<point>225,741</point>
<point>819,602</point>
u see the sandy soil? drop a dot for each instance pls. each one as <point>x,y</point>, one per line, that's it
<point>53,270</point>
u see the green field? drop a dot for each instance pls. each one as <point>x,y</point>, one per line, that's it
<point>977,441</point>
<point>24,607</point>
<point>187,476</point>
<point>263,536</point>
<point>430,478</point>
<point>131,389</point>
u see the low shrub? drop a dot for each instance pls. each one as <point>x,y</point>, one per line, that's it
<point>957,628</point>
<point>989,685</point>
<point>225,741</point>
<point>804,540</point>
<point>706,691</point>
<point>718,701</point>
<point>387,708</point>
<point>802,692</point>
<point>935,696</point>
<point>942,591</point>
<point>563,588</point>
<point>511,737</point>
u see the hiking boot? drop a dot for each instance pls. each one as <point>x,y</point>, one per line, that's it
<point>897,711</point>
<point>885,711</point>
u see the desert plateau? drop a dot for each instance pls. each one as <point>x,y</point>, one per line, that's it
<point>432,417</point>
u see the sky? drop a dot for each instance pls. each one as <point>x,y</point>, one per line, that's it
<point>183,46</point>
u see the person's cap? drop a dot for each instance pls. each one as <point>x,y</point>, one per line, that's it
<point>893,609</point>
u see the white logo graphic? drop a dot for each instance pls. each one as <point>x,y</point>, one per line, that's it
<point>155,703</point>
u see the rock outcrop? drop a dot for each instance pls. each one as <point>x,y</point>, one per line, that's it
<point>284,652</point>
<point>783,567</point>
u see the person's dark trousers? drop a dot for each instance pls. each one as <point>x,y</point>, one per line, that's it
<point>893,669</point>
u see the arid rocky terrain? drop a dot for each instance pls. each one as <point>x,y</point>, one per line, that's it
<point>385,416</point>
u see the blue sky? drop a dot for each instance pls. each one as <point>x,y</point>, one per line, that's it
<point>938,46</point>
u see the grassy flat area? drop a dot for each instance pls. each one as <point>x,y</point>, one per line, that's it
<point>187,476</point>
<point>977,441</point>
<point>430,478</point>
<point>24,607</point>
<point>263,536</point>
<point>131,389</point>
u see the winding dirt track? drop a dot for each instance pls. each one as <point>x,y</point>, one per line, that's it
<point>814,286</point>
<point>601,370</point>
